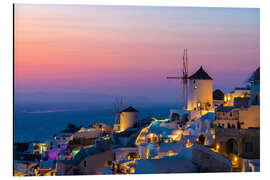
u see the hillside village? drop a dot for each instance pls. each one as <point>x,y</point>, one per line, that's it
<point>215,132</point>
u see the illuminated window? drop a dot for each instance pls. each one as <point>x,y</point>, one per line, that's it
<point>195,86</point>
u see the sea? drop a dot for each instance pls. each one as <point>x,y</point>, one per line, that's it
<point>39,121</point>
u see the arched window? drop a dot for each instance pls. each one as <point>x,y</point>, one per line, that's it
<point>228,125</point>
<point>233,126</point>
<point>84,163</point>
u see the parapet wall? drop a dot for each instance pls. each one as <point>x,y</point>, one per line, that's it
<point>209,161</point>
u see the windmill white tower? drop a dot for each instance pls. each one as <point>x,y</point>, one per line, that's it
<point>200,91</point>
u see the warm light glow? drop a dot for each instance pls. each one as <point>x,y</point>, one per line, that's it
<point>132,170</point>
<point>188,145</point>
<point>171,153</point>
<point>203,112</point>
<point>145,130</point>
<point>217,147</point>
<point>225,98</point>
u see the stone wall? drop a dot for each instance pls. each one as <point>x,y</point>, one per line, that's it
<point>209,161</point>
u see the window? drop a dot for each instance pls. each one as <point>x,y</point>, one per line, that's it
<point>228,126</point>
<point>84,163</point>
<point>195,86</point>
<point>205,125</point>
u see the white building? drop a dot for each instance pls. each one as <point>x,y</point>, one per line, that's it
<point>200,91</point>
<point>239,92</point>
<point>128,118</point>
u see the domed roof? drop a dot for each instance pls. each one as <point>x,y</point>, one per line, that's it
<point>200,74</point>
<point>218,95</point>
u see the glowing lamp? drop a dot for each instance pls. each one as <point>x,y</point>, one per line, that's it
<point>132,170</point>
<point>217,147</point>
<point>188,145</point>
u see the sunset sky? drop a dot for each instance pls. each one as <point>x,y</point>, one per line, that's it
<point>122,50</point>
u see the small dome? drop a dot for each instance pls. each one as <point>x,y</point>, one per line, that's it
<point>218,95</point>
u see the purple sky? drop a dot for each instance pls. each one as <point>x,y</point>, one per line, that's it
<point>125,50</point>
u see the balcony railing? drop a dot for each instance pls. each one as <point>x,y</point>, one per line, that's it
<point>227,118</point>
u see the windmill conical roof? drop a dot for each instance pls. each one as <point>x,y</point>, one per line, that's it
<point>200,74</point>
<point>130,109</point>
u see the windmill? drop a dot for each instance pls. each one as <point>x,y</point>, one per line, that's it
<point>117,109</point>
<point>184,78</point>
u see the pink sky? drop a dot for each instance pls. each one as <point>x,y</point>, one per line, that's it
<point>122,50</point>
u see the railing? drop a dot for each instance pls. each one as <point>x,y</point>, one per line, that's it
<point>226,118</point>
